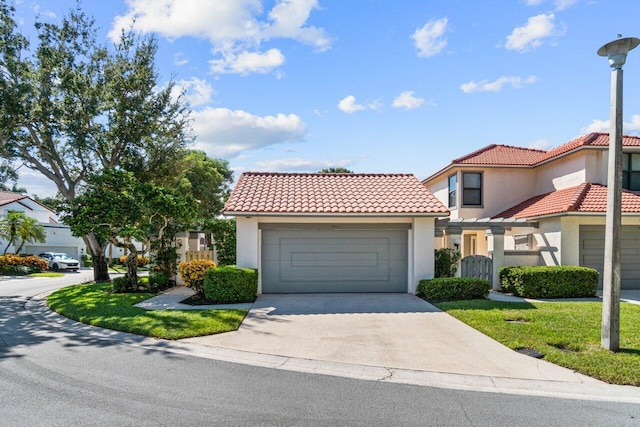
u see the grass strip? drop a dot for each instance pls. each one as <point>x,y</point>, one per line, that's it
<point>94,305</point>
<point>46,274</point>
<point>567,333</point>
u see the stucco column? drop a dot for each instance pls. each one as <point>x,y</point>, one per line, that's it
<point>497,255</point>
<point>247,245</point>
<point>182,240</point>
<point>423,256</point>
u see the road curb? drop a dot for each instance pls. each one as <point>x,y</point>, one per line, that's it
<point>588,389</point>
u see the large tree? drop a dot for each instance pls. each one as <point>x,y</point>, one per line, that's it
<point>118,208</point>
<point>207,180</point>
<point>7,175</point>
<point>73,106</point>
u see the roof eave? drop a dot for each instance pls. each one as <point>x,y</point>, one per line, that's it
<point>471,166</point>
<point>338,214</point>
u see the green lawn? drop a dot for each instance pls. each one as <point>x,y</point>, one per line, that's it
<point>567,333</point>
<point>46,274</point>
<point>94,305</point>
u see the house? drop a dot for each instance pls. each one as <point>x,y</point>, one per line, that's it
<point>537,207</point>
<point>59,238</point>
<point>335,232</point>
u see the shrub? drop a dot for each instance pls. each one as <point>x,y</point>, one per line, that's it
<point>31,264</point>
<point>87,261</point>
<point>453,288</point>
<point>16,270</point>
<point>142,260</point>
<point>119,285</point>
<point>446,262</point>
<point>158,282</point>
<point>562,281</point>
<point>192,273</point>
<point>231,285</point>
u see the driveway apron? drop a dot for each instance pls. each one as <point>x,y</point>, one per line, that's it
<point>386,330</point>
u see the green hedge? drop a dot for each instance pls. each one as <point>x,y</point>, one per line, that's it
<point>453,288</point>
<point>562,281</point>
<point>231,285</point>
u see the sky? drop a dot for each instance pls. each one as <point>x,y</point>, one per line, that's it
<point>375,86</point>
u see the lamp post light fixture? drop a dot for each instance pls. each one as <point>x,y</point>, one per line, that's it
<point>616,51</point>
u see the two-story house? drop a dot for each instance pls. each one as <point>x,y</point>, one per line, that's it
<point>59,237</point>
<point>536,207</point>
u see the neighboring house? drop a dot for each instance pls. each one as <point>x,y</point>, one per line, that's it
<point>335,232</point>
<point>59,238</point>
<point>536,207</point>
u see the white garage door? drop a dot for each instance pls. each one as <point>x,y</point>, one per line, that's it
<point>592,253</point>
<point>334,258</point>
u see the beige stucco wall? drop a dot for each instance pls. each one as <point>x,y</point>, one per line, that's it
<point>420,250</point>
<point>521,186</point>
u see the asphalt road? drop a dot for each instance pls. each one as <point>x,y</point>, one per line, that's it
<point>52,377</point>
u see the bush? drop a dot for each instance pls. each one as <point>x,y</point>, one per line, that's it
<point>119,285</point>
<point>32,264</point>
<point>16,270</point>
<point>446,262</point>
<point>142,260</point>
<point>562,281</point>
<point>231,285</point>
<point>87,261</point>
<point>453,288</point>
<point>158,282</point>
<point>192,273</point>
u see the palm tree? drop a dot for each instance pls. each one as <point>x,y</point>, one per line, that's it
<point>30,231</point>
<point>9,228</point>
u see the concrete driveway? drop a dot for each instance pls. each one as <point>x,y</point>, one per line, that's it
<point>386,330</point>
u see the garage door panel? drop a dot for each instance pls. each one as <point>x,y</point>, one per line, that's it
<point>334,261</point>
<point>592,253</point>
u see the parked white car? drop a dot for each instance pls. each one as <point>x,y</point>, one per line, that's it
<point>60,261</point>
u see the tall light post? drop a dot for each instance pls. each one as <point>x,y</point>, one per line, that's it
<point>616,51</point>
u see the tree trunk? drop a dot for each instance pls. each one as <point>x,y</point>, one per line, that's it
<point>100,267</point>
<point>132,269</point>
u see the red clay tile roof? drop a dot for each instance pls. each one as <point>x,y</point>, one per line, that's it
<point>7,197</point>
<point>586,197</point>
<point>501,155</point>
<point>589,140</point>
<point>308,193</point>
<point>505,155</point>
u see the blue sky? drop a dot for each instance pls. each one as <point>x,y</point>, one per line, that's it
<point>376,86</point>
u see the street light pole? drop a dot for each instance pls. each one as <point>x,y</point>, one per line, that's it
<point>616,51</point>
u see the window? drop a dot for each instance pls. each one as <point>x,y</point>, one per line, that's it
<point>631,171</point>
<point>453,187</point>
<point>472,188</point>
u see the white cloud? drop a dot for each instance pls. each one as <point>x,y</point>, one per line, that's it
<point>235,28</point>
<point>604,125</point>
<point>179,59</point>
<point>349,105</point>
<point>559,4</point>
<point>35,183</point>
<point>226,133</point>
<point>300,165</point>
<point>248,62</point>
<point>540,144</point>
<point>530,35</point>
<point>407,100</point>
<point>496,86</point>
<point>429,40</point>
<point>46,13</point>
<point>197,91</point>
